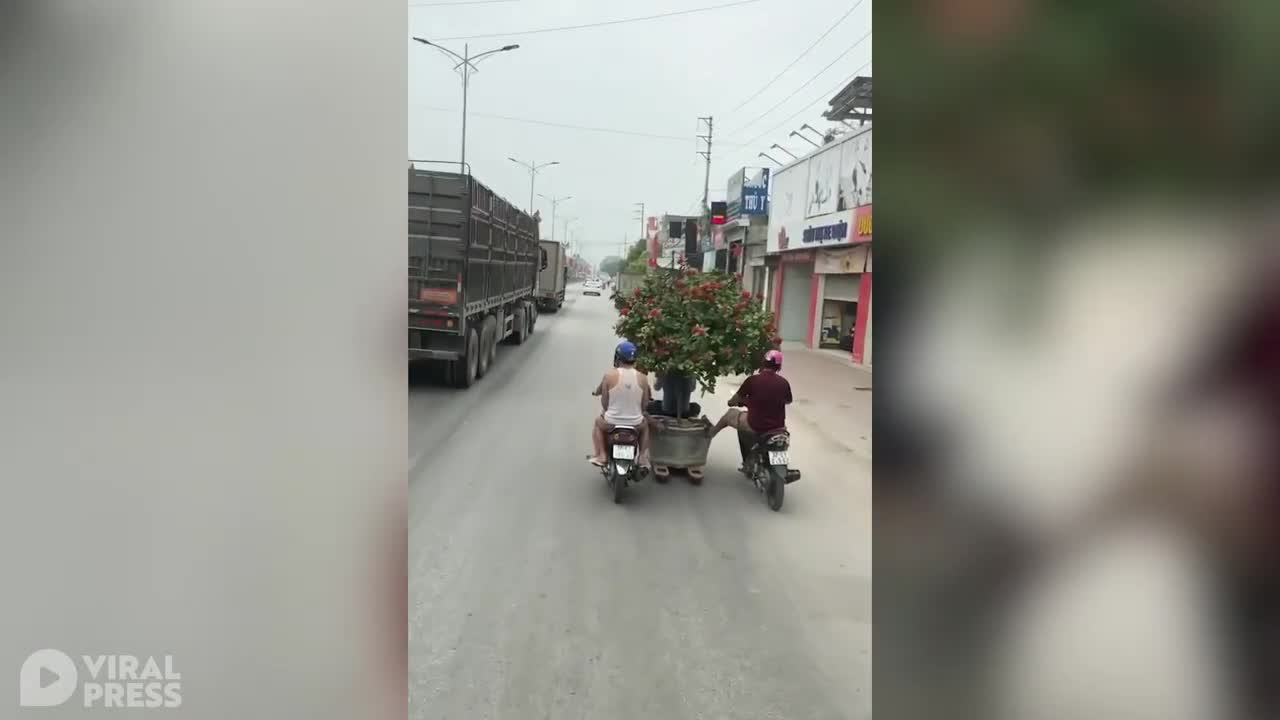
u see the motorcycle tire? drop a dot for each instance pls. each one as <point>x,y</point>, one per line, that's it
<point>775,491</point>
<point>619,482</point>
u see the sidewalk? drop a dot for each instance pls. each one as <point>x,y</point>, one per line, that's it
<point>832,399</point>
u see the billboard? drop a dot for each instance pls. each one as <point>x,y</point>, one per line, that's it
<point>747,193</point>
<point>816,200</point>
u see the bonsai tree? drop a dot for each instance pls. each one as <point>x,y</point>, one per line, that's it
<point>694,327</point>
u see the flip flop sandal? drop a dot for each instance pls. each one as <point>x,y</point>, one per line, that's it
<point>695,476</point>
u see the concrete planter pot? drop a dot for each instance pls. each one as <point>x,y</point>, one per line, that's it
<point>679,444</point>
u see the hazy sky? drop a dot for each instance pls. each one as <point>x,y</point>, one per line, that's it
<point>653,77</point>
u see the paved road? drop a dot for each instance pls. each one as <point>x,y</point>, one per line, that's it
<point>531,595</point>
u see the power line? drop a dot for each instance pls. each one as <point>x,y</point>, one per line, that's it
<point>460,2</point>
<point>602,24</point>
<point>799,57</point>
<point>566,126</point>
<point>806,83</point>
<point>825,96</point>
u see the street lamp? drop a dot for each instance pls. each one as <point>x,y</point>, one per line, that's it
<point>467,65</point>
<point>554,203</point>
<point>765,155</point>
<point>796,133</point>
<point>566,226</point>
<point>533,169</point>
<point>776,146</point>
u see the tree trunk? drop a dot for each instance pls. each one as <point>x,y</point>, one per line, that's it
<point>677,390</point>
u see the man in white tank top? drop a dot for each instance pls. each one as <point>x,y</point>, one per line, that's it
<point>624,394</point>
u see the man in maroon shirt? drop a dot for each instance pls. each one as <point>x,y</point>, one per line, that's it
<point>766,396</point>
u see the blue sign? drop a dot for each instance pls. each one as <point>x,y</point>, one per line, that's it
<point>748,195</point>
<point>755,194</point>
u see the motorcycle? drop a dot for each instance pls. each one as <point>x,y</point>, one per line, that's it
<point>622,445</point>
<point>767,466</point>
<point>621,451</point>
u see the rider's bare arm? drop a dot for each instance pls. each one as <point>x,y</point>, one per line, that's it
<point>646,394</point>
<point>605,384</point>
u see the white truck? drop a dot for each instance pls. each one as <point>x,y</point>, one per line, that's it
<point>553,277</point>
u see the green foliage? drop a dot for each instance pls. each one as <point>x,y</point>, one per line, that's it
<point>612,265</point>
<point>702,325</point>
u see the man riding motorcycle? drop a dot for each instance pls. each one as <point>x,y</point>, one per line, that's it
<point>624,394</point>
<point>765,395</point>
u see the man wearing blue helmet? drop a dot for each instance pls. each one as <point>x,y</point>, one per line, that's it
<point>624,394</point>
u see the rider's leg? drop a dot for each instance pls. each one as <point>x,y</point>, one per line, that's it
<point>729,419</point>
<point>597,440</point>
<point>745,440</point>
<point>643,458</point>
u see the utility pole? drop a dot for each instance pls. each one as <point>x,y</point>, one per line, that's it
<point>643,228</point>
<point>706,180</point>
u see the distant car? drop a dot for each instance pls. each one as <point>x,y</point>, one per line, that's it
<point>592,287</point>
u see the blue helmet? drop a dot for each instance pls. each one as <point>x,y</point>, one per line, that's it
<point>626,351</point>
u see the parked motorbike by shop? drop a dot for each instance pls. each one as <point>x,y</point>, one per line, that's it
<point>768,466</point>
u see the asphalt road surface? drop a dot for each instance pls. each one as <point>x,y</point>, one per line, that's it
<point>531,595</point>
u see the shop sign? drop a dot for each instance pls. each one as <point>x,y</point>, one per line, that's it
<point>826,234</point>
<point>862,224</point>
<point>747,193</point>
<point>818,201</point>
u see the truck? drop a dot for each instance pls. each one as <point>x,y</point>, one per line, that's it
<point>474,259</point>
<point>553,277</point>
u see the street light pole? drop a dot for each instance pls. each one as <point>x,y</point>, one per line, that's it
<point>566,225</point>
<point>533,169</point>
<point>467,65</point>
<point>554,203</point>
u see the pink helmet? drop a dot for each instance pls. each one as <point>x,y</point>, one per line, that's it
<point>773,358</point>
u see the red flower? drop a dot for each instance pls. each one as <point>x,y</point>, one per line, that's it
<point>636,293</point>
<point>777,340</point>
<point>746,296</point>
<point>655,313</point>
<point>625,311</point>
<point>699,330</point>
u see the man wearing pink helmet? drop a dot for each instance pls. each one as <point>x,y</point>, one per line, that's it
<point>765,396</point>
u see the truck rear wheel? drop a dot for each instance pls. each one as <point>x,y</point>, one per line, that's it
<point>520,326</point>
<point>493,340</point>
<point>486,338</point>
<point>466,369</point>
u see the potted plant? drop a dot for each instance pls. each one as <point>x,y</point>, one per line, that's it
<point>692,328</point>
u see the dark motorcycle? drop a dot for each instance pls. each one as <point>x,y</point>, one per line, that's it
<point>622,446</point>
<point>768,463</point>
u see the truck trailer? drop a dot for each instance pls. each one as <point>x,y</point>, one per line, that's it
<point>554,276</point>
<point>473,270</point>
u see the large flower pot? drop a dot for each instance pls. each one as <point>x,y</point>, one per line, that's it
<point>679,444</point>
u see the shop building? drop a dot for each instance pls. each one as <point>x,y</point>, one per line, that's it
<point>817,265</point>
<point>746,224</point>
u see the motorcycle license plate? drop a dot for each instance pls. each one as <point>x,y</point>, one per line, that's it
<point>624,452</point>
<point>779,457</point>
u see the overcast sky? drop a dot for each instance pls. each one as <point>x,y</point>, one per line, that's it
<point>654,77</point>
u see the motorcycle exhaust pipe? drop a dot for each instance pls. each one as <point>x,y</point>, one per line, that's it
<point>792,476</point>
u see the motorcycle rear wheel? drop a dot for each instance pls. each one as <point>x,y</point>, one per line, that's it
<point>775,491</point>
<point>619,483</point>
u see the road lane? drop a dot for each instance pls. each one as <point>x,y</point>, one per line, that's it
<point>531,595</point>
